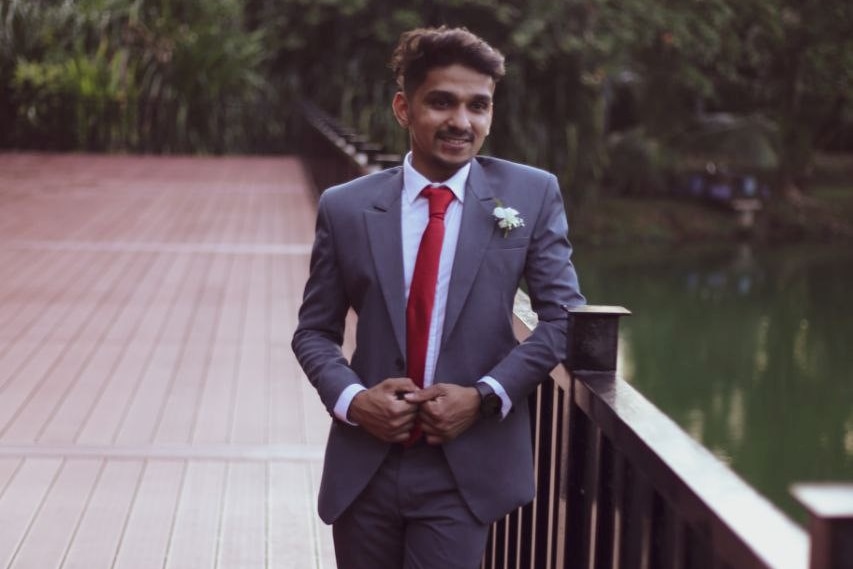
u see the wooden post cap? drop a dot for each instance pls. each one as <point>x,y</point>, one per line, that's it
<point>593,337</point>
<point>830,508</point>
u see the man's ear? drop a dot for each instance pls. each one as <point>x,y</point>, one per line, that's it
<point>400,106</point>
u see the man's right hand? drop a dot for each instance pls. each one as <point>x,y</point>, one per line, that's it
<point>382,411</point>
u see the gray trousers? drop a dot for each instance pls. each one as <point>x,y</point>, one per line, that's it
<point>410,516</point>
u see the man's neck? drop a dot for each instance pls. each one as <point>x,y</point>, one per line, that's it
<point>416,181</point>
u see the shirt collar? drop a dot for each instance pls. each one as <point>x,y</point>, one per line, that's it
<point>414,181</point>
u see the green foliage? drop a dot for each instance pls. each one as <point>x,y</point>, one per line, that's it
<point>222,75</point>
<point>637,164</point>
<point>159,76</point>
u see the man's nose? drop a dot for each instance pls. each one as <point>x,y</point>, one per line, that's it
<point>460,118</point>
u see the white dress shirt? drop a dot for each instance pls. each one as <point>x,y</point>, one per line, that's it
<point>414,217</point>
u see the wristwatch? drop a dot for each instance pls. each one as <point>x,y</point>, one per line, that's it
<point>490,402</point>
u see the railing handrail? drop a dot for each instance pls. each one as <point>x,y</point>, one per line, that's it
<point>704,486</point>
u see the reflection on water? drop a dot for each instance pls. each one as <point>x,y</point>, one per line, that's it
<point>747,349</point>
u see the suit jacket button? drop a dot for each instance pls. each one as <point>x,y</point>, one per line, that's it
<point>401,365</point>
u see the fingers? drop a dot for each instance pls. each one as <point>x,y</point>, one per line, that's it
<point>390,409</point>
<point>397,385</point>
<point>381,413</point>
<point>450,411</point>
<point>427,394</point>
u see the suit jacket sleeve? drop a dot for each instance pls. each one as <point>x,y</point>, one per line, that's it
<point>552,284</point>
<point>322,317</point>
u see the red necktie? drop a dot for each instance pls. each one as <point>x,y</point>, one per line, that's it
<point>424,277</point>
<point>422,290</point>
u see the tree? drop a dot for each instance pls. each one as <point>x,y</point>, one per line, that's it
<point>169,76</point>
<point>223,75</point>
<point>796,65</point>
<point>788,60</point>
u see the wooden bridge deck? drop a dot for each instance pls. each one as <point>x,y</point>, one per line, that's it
<point>151,411</point>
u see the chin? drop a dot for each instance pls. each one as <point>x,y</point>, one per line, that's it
<point>454,161</point>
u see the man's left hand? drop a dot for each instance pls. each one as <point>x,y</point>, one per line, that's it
<point>445,410</point>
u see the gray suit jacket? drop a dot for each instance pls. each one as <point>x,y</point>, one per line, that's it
<point>357,263</point>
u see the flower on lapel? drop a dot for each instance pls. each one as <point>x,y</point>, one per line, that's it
<point>508,218</point>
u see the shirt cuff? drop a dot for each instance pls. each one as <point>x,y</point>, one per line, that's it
<point>506,403</point>
<point>345,399</point>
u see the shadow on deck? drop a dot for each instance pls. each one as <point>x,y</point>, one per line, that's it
<point>151,411</point>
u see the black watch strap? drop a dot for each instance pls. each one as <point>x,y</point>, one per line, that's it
<point>490,402</point>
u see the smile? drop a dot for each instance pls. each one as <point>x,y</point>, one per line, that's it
<point>456,140</point>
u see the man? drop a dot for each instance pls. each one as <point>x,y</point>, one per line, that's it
<point>430,440</point>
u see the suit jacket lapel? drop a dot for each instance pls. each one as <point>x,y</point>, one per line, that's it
<point>382,220</point>
<point>478,226</point>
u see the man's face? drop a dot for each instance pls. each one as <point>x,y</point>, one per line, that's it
<point>448,117</point>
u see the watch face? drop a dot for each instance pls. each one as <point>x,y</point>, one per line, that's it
<point>491,405</point>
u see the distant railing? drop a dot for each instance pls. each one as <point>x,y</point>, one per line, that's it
<point>619,485</point>
<point>334,153</point>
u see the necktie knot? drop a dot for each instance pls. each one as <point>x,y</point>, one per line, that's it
<point>439,199</point>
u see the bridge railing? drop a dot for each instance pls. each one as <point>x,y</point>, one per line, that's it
<point>619,485</point>
<point>334,153</point>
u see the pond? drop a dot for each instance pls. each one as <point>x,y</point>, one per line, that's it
<point>747,348</point>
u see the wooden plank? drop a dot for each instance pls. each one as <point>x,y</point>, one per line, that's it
<point>25,381</point>
<point>84,297</point>
<point>71,413</point>
<point>244,523</point>
<point>148,291</point>
<point>251,399</point>
<point>215,407</point>
<point>322,534</point>
<point>114,295</point>
<point>20,502</point>
<point>97,537</point>
<point>140,423</point>
<point>41,311</point>
<point>287,423</point>
<point>8,468</point>
<point>145,541</point>
<point>158,309</point>
<point>142,415</point>
<point>47,393</point>
<point>25,274</point>
<point>181,401</point>
<point>105,419</point>
<point>195,538</point>
<point>53,529</point>
<point>291,501</point>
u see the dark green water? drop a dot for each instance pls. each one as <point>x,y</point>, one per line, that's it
<point>749,349</point>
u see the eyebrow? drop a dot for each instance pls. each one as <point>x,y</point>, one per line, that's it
<point>479,98</point>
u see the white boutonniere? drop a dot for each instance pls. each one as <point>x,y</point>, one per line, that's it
<point>508,218</point>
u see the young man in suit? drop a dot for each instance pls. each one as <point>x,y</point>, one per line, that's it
<point>430,441</point>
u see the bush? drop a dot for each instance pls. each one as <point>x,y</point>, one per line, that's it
<point>637,165</point>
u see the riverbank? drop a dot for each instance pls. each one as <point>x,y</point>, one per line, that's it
<point>666,220</point>
<point>824,213</point>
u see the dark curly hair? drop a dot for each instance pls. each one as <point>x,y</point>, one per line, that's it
<point>423,49</point>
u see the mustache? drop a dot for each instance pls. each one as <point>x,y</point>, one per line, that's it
<point>457,133</point>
